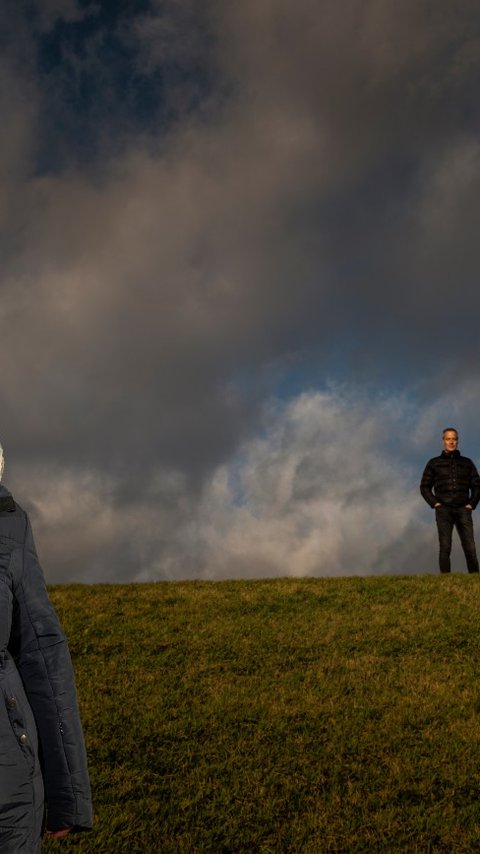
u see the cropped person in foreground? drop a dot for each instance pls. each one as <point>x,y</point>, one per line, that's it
<point>451,485</point>
<point>44,784</point>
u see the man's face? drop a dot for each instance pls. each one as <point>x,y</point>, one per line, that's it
<point>450,440</point>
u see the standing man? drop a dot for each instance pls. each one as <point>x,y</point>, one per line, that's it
<point>451,485</point>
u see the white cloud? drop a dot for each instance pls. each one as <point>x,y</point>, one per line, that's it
<point>319,494</point>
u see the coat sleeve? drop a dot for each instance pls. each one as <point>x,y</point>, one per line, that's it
<point>426,485</point>
<point>41,653</point>
<point>474,486</point>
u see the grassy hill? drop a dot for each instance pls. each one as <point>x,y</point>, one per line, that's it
<point>313,715</point>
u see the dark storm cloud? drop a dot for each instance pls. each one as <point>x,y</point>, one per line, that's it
<point>197,195</point>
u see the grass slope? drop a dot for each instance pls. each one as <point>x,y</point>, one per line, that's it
<point>313,715</point>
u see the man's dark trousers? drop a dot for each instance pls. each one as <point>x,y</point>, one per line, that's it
<point>461,518</point>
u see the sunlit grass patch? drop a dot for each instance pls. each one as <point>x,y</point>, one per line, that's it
<point>280,716</point>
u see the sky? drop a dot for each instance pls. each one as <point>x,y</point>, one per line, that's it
<point>239,281</point>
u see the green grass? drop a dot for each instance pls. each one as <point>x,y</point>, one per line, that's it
<point>313,715</point>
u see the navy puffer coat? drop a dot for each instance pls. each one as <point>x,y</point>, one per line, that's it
<point>43,766</point>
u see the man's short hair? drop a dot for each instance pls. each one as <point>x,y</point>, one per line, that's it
<point>450,430</point>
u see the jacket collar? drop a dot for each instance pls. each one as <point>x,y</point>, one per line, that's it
<point>7,504</point>
<point>449,454</point>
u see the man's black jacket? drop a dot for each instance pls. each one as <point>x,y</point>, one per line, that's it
<point>452,480</point>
